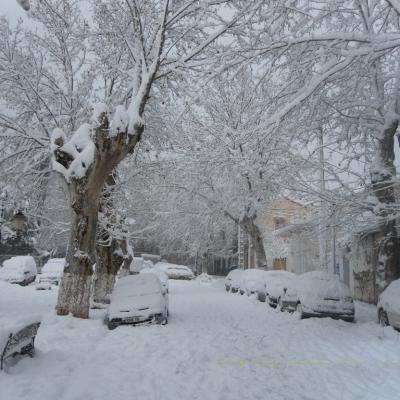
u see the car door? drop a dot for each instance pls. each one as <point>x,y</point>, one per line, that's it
<point>394,319</point>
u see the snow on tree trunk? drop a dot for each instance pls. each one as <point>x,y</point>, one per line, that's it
<point>127,254</point>
<point>85,162</point>
<point>249,225</point>
<point>383,173</point>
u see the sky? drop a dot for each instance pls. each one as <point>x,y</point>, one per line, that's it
<point>11,9</point>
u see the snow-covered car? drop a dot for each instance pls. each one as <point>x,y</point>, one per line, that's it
<point>20,269</point>
<point>51,273</point>
<point>318,294</point>
<point>389,305</point>
<point>137,299</point>
<point>276,282</point>
<point>253,281</point>
<point>233,276</point>
<point>175,271</point>
<point>154,258</point>
<point>236,280</point>
<point>162,276</point>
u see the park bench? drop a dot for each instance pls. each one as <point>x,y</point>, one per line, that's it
<point>20,342</point>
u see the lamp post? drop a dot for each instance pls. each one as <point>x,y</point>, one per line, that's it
<point>24,4</point>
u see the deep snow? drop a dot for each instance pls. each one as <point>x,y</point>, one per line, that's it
<point>216,346</point>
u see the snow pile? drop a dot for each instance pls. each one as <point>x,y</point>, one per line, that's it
<point>72,158</point>
<point>119,122</point>
<point>51,273</point>
<point>54,266</point>
<point>389,300</point>
<point>175,271</point>
<point>206,279</point>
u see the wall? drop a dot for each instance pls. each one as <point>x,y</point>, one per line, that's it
<point>363,259</point>
<point>303,252</point>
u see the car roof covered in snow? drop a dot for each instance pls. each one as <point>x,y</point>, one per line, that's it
<point>323,284</point>
<point>140,284</point>
<point>157,272</point>
<point>21,263</point>
<point>390,297</point>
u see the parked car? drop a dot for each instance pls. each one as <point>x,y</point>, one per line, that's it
<point>236,280</point>
<point>51,273</point>
<point>318,294</point>
<point>389,305</point>
<point>162,276</point>
<point>20,269</point>
<point>277,281</point>
<point>233,276</point>
<point>154,258</point>
<point>175,271</point>
<point>137,299</point>
<point>253,281</point>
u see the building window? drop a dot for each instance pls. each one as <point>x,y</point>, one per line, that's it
<point>279,222</point>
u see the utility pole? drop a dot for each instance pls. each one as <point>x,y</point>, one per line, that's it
<point>322,228</point>
<point>241,245</point>
<point>333,233</point>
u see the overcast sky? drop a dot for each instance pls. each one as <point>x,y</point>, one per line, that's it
<point>11,9</point>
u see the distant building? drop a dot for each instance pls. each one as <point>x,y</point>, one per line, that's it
<point>277,216</point>
<point>303,247</point>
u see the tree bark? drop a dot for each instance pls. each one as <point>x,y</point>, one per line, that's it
<point>127,254</point>
<point>74,292</point>
<point>249,225</point>
<point>382,179</point>
<point>108,262</point>
<point>85,192</point>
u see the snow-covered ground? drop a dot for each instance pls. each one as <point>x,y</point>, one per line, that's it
<point>216,346</point>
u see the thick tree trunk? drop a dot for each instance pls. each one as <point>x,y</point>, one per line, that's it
<point>74,292</point>
<point>109,151</point>
<point>382,178</point>
<point>249,225</point>
<point>127,254</point>
<point>108,262</point>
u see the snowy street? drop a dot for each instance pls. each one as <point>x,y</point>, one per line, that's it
<point>216,346</point>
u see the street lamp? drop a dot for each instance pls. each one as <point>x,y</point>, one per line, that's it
<point>24,4</point>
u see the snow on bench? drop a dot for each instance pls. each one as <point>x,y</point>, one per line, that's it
<point>19,339</point>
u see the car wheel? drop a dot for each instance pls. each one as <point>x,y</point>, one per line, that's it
<point>299,311</point>
<point>112,325</point>
<point>383,318</point>
<point>280,305</point>
<point>261,297</point>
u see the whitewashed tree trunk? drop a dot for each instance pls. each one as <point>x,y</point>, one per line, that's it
<point>85,192</point>
<point>74,292</point>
